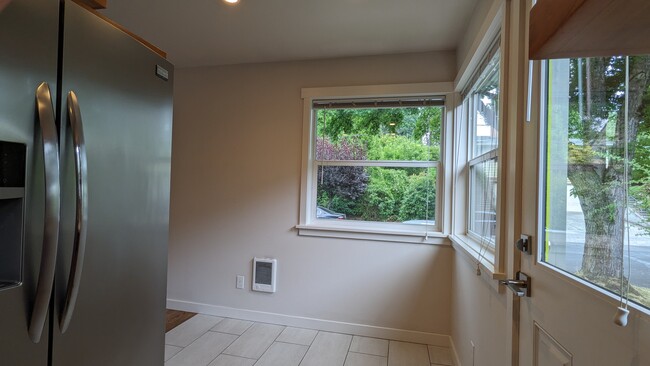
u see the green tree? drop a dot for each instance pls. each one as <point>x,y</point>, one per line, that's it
<point>387,147</point>
<point>385,193</point>
<point>419,201</point>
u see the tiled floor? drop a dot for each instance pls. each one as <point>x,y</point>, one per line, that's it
<point>212,341</point>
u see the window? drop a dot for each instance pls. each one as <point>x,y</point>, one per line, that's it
<point>374,166</point>
<point>481,104</point>
<point>592,105</point>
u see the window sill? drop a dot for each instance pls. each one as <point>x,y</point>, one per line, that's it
<point>365,233</point>
<point>592,289</point>
<point>470,249</point>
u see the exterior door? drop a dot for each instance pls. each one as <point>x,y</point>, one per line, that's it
<point>125,112</point>
<point>28,57</point>
<point>568,320</point>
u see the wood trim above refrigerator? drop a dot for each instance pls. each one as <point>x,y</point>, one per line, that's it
<point>589,28</point>
<point>95,4</point>
<point>84,4</point>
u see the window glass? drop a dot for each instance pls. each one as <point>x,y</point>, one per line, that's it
<point>406,195</point>
<point>377,164</point>
<point>589,104</point>
<point>484,101</point>
<point>483,205</point>
<point>379,134</point>
<point>482,106</point>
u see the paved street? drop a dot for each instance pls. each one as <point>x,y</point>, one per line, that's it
<point>640,260</point>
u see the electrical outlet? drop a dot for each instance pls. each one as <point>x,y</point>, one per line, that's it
<point>240,282</point>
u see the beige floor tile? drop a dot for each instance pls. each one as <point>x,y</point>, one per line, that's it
<point>440,355</point>
<point>328,349</point>
<point>226,360</point>
<point>232,326</point>
<point>360,359</point>
<point>297,336</point>
<point>370,346</point>
<point>170,351</point>
<point>407,354</point>
<point>203,350</point>
<point>191,330</point>
<point>283,354</point>
<point>255,340</point>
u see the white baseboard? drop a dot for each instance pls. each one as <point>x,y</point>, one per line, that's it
<point>311,323</point>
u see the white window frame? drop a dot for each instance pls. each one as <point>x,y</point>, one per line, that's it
<point>309,225</point>
<point>492,262</point>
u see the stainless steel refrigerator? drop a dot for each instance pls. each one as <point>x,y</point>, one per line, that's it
<point>85,149</point>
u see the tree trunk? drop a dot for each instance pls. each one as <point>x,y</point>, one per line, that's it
<point>604,217</point>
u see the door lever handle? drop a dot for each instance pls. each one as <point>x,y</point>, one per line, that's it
<point>520,285</point>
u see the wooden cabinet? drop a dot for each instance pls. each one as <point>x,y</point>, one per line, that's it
<point>586,28</point>
<point>95,4</point>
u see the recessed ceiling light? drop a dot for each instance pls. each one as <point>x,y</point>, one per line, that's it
<point>231,1</point>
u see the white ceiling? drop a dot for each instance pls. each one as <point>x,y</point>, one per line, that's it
<point>211,32</point>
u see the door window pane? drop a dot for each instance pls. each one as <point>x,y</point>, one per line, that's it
<point>590,101</point>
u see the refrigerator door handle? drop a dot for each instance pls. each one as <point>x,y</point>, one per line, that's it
<point>52,212</point>
<point>81,214</point>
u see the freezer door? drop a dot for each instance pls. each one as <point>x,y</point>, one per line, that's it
<point>125,112</point>
<point>28,57</point>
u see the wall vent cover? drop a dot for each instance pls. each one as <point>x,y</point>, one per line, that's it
<point>264,274</point>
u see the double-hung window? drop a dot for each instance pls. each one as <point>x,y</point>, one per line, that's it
<point>374,167</point>
<point>481,104</point>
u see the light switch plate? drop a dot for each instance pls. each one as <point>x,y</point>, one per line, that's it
<point>240,282</point>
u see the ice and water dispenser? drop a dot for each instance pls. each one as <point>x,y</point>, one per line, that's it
<point>12,197</point>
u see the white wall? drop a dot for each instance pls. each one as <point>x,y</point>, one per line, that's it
<point>235,195</point>
<point>481,14</point>
<point>478,316</point>
<point>479,313</point>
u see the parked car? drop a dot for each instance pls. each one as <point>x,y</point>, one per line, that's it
<point>420,222</point>
<point>323,213</point>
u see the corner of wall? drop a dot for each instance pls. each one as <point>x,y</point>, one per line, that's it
<point>471,42</point>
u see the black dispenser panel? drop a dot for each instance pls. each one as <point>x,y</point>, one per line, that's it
<point>12,196</point>
<point>12,164</point>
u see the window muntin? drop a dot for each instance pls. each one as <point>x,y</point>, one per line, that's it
<point>482,106</point>
<point>377,165</point>
<point>589,102</point>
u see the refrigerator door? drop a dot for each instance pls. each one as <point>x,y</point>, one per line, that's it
<point>125,112</point>
<point>28,57</point>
